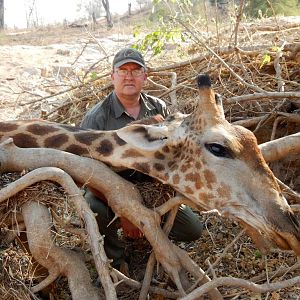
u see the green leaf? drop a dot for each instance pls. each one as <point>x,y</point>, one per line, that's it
<point>266,59</point>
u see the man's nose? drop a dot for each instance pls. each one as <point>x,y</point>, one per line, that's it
<point>129,74</point>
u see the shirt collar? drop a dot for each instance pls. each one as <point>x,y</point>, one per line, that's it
<point>119,108</point>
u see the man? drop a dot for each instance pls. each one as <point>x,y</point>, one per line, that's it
<point>127,103</point>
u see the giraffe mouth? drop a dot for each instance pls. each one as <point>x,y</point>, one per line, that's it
<point>273,236</point>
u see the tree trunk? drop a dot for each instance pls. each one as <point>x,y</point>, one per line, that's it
<point>1,14</point>
<point>108,14</point>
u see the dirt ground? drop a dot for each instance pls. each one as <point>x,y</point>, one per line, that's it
<point>41,62</point>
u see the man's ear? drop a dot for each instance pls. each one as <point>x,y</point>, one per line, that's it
<point>145,76</point>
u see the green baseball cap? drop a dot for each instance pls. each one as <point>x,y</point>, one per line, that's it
<point>127,55</point>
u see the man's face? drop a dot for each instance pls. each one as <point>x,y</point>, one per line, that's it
<point>129,84</point>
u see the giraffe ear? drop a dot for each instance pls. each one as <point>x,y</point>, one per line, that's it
<point>144,137</point>
<point>153,137</point>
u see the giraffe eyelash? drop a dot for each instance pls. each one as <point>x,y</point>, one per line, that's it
<point>219,150</point>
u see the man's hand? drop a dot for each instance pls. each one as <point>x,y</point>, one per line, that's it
<point>149,121</point>
<point>130,230</point>
<point>158,118</point>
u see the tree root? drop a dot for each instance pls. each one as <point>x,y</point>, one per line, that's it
<point>237,282</point>
<point>174,260</point>
<point>56,260</point>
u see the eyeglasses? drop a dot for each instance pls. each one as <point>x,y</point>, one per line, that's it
<point>134,73</point>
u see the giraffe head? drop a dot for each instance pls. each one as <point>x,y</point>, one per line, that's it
<point>217,166</point>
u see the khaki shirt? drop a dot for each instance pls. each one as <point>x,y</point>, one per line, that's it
<point>110,114</point>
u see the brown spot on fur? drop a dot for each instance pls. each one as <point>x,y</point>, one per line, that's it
<point>184,168</point>
<point>143,167</point>
<point>118,140</point>
<point>176,179</point>
<point>131,153</point>
<point>87,137</point>
<point>159,167</point>
<point>105,148</point>
<point>6,127</point>
<point>25,140</point>
<point>188,190</point>
<point>41,129</point>
<point>139,130</point>
<point>159,155</point>
<point>224,191</point>
<point>198,165</point>
<point>56,141</point>
<point>210,178</point>
<point>206,197</point>
<point>194,177</point>
<point>198,152</point>
<point>76,149</point>
<point>166,149</point>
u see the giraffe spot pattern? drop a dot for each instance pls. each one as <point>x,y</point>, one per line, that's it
<point>206,197</point>
<point>118,140</point>
<point>188,190</point>
<point>87,138</point>
<point>24,140</point>
<point>6,127</point>
<point>176,179</point>
<point>41,130</point>
<point>209,177</point>
<point>184,168</point>
<point>76,149</point>
<point>159,155</point>
<point>166,149</point>
<point>139,130</point>
<point>142,167</point>
<point>224,191</point>
<point>158,167</point>
<point>56,141</point>
<point>194,177</point>
<point>131,153</point>
<point>105,148</point>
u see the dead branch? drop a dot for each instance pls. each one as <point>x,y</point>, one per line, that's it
<point>173,76</point>
<point>263,96</point>
<point>280,148</point>
<point>56,260</point>
<point>88,171</point>
<point>83,210</point>
<point>236,282</point>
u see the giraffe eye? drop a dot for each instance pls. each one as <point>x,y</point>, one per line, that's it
<point>219,150</point>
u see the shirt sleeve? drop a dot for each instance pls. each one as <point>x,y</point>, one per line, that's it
<point>161,107</point>
<point>94,119</point>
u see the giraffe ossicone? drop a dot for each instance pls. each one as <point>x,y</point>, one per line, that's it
<point>211,162</point>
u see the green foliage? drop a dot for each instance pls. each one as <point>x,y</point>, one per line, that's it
<point>156,40</point>
<point>262,8</point>
<point>93,75</point>
<point>257,254</point>
<point>265,60</point>
<point>164,13</point>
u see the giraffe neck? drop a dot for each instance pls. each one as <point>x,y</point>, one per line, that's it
<point>105,146</point>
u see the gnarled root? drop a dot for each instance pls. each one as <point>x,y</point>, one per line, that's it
<point>173,259</point>
<point>57,260</point>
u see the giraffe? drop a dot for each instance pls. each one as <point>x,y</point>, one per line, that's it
<point>211,162</point>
